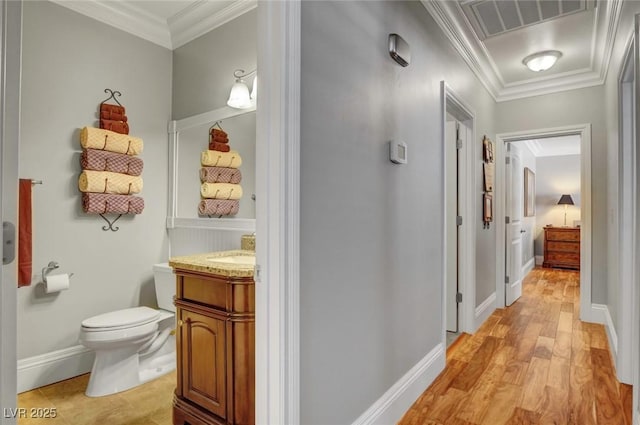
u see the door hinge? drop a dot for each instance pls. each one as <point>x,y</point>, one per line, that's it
<point>507,219</point>
<point>256,273</point>
<point>459,220</point>
<point>459,144</point>
<point>459,297</point>
<point>507,160</point>
<point>506,279</point>
<point>8,242</point>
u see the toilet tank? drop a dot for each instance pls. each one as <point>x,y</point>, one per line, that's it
<point>165,283</point>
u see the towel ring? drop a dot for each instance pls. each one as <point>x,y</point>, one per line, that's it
<point>113,94</point>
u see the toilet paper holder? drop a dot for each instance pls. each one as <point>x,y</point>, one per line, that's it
<point>51,266</point>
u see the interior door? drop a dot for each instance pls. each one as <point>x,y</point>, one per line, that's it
<point>514,230</point>
<point>10,34</point>
<point>451,179</point>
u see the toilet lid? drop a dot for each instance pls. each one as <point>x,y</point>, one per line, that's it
<point>122,318</point>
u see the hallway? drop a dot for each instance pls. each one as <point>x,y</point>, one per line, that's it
<point>534,362</point>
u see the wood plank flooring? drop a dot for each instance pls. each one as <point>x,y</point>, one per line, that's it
<point>534,362</point>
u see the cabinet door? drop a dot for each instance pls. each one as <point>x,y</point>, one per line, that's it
<point>203,347</point>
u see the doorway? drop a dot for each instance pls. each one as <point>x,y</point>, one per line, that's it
<point>541,177</point>
<point>583,132</point>
<point>458,238</point>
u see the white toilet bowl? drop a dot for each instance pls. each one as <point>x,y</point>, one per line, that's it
<point>134,345</point>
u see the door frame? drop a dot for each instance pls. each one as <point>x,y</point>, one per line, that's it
<point>453,104</point>
<point>584,131</point>
<point>278,214</point>
<point>625,350</point>
<point>11,44</point>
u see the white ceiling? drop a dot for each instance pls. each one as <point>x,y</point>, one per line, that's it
<point>554,146</point>
<point>584,36</point>
<point>492,45</point>
<point>169,23</point>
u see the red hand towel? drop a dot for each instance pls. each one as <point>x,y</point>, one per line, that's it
<point>24,233</point>
<point>218,139</point>
<point>117,126</point>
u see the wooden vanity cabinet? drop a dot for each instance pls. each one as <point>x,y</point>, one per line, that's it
<point>215,350</point>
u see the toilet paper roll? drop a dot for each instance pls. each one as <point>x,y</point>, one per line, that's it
<point>56,283</point>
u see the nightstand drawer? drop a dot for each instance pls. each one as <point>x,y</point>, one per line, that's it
<point>563,258</point>
<point>556,246</point>
<point>563,235</point>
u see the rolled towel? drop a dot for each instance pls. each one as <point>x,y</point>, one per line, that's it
<point>217,132</point>
<point>107,182</point>
<point>219,139</point>
<point>97,160</point>
<point>221,191</point>
<point>108,107</point>
<point>229,159</point>
<point>120,127</point>
<point>220,175</point>
<point>103,203</point>
<point>111,115</point>
<point>218,207</point>
<point>220,147</point>
<point>97,138</point>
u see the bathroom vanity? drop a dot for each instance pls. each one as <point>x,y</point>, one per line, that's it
<point>215,338</point>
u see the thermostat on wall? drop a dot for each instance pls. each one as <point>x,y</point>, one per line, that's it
<point>398,152</point>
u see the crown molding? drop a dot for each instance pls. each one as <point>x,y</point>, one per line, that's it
<point>202,17</point>
<point>190,23</point>
<point>123,16</point>
<point>452,21</point>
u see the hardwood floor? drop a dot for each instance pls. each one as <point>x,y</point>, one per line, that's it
<point>534,362</point>
<point>147,404</point>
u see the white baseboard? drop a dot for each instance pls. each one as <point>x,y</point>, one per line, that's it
<point>484,310</point>
<point>539,260</point>
<point>529,266</point>
<point>394,403</point>
<point>45,369</point>
<point>600,314</point>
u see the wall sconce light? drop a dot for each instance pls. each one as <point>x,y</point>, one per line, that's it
<point>542,61</point>
<point>239,97</point>
<point>565,200</point>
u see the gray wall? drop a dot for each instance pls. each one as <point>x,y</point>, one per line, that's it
<point>202,78</point>
<point>371,231</point>
<point>557,175</point>
<point>68,61</point>
<point>611,111</point>
<point>567,108</point>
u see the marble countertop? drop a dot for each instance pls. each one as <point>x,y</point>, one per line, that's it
<point>206,263</point>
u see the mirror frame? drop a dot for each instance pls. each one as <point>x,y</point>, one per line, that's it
<point>175,126</point>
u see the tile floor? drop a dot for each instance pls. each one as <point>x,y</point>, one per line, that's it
<point>148,404</point>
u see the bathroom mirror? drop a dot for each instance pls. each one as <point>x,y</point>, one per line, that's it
<point>188,137</point>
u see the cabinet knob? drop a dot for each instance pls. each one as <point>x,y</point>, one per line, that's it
<point>180,323</point>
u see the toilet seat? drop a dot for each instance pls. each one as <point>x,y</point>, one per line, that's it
<point>121,319</point>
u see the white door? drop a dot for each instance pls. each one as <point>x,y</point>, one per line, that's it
<point>451,230</point>
<point>514,204</point>
<point>10,33</point>
<point>457,135</point>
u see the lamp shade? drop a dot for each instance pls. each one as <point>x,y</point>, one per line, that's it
<point>239,96</point>
<point>565,200</point>
<point>254,89</point>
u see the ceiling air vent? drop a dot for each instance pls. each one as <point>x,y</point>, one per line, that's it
<point>493,17</point>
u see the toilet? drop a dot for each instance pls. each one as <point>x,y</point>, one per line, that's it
<point>134,345</point>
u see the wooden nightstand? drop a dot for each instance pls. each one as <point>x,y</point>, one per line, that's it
<point>562,247</point>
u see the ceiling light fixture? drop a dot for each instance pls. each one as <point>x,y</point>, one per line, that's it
<point>239,97</point>
<point>542,61</point>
